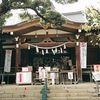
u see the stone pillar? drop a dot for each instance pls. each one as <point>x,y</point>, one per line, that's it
<point>78,65</point>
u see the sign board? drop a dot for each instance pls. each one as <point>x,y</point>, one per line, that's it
<point>23,77</point>
<point>70,75</point>
<point>47,68</point>
<point>96,67</point>
<point>24,69</point>
<point>52,75</point>
<point>27,69</point>
<point>96,76</point>
<point>70,62</point>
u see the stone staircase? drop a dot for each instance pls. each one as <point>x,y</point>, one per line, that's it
<point>81,91</point>
<point>21,92</point>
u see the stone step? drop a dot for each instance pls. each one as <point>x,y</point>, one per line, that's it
<point>21,98</point>
<point>49,94</point>
<point>73,98</point>
<point>29,87</point>
<point>57,92</point>
<point>71,94</point>
<point>70,87</point>
<point>72,90</point>
<point>52,98</point>
<point>20,91</point>
<point>20,95</point>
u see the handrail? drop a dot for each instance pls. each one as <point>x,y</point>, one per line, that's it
<point>44,90</point>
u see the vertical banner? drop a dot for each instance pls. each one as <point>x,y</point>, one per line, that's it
<point>7,66</point>
<point>83,54</point>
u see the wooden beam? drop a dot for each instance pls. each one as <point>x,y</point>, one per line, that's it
<point>21,27</point>
<point>50,36</point>
<point>36,23</point>
<point>72,26</point>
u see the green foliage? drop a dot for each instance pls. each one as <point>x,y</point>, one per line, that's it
<point>92,28</point>
<point>2,20</point>
<point>7,15</point>
<point>29,17</point>
<point>86,27</point>
<point>93,17</point>
<point>66,1</point>
<point>45,4</point>
<point>54,19</point>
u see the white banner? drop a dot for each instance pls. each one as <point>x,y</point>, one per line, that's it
<point>83,54</point>
<point>7,66</point>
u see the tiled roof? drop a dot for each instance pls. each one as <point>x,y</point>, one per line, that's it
<point>77,17</point>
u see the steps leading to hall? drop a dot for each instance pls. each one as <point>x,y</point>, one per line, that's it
<point>81,91</point>
<point>21,92</point>
<point>73,92</point>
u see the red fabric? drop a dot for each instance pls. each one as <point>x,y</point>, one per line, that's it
<point>20,77</point>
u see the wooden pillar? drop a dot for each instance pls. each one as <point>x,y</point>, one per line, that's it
<point>18,52</point>
<point>78,65</point>
<point>0,53</point>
